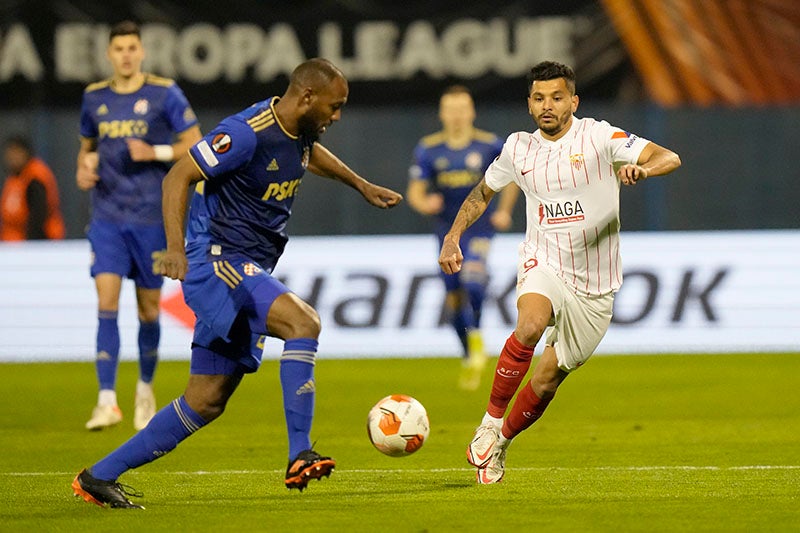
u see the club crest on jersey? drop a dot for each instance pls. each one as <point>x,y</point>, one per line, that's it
<point>474,160</point>
<point>221,143</point>
<point>141,107</point>
<point>561,212</point>
<point>251,269</point>
<point>576,160</point>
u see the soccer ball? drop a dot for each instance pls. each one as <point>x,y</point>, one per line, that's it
<point>398,425</point>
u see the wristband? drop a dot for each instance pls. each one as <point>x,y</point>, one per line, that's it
<point>164,152</point>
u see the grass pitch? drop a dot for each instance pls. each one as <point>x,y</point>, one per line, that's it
<point>661,443</point>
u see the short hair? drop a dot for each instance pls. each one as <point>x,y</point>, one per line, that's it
<point>314,73</point>
<point>126,27</point>
<point>550,70</point>
<point>19,141</point>
<point>457,89</point>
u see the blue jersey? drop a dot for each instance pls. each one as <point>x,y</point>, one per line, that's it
<point>128,191</point>
<point>455,172</point>
<point>252,168</point>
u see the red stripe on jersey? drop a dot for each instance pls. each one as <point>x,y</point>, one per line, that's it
<point>597,240</point>
<point>572,255</point>
<point>597,155</point>
<point>558,247</point>
<point>546,168</point>
<point>610,262</point>
<point>558,170</point>
<point>586,252</point>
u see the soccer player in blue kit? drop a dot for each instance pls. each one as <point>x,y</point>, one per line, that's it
<point>246,174</point>
<point>446,166</point>
<point>127,126</point>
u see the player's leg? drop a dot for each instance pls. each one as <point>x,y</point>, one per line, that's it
<point>203,401</point>
<point>106,413</point>
<point>110,263</point>
<point>148,303</point>
<point>297,323</point>
<point>580,323</point>
<point>146,243</point>
<point>535,312</point>
<point>474,279</point>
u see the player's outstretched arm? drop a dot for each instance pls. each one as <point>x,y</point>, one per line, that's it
<point>654,160</point>
<point>175,201</point>
<point>324,163</point>
<point>473,207</point>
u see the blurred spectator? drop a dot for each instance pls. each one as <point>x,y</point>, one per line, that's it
<point>29,205</point>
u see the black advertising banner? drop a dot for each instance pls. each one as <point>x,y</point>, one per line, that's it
<point>235,52</point>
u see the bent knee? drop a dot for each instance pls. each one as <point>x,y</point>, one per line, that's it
<point>292,318</point>
<point>530,330</point>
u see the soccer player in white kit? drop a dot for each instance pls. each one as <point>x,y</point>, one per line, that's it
<point>569,268</point>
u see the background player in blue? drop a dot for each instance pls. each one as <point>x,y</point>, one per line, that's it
<point>447,165</point>
<point>127,126</point>
<point>247,172</point>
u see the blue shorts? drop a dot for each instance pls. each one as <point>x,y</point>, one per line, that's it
<point>129,250</point>
<point>475,249</point>
<point>231,299</point>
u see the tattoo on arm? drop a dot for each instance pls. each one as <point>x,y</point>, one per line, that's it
<point>473,207</point>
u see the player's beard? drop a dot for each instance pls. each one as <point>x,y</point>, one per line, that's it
<point>308,128</point>
<point>556,127</point>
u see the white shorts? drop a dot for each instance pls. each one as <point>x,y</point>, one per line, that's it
<point>578,323</point>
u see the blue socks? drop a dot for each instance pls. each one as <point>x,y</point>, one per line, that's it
<point>297,382</point>
<point>107,349</point>
<point>149,335</point>
<point>170,426</point>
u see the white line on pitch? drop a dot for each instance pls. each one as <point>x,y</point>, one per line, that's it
<point>423,470</point>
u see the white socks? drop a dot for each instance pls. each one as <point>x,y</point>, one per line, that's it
<point>107,397</point>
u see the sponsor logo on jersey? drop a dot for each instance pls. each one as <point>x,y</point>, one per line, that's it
<point>141,107</point>
<point>114,129</point>
<point>281,191</point>
<point>576,160</point>
<point>221,143</point>
<point>457,178</point>
<point>625,135</point>
<point>561,212</point>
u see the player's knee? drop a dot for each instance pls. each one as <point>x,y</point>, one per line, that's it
<point>305,323</point>
<point>530,330</point>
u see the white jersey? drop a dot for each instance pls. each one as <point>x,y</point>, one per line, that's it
<point>572,199</point>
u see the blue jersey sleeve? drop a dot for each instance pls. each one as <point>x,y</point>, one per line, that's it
<point>421,167</point>
<point>178,111</point>
<point>228,147</point>
<point>88,125</point>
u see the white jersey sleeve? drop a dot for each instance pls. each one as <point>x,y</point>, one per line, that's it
<point>502,171</point>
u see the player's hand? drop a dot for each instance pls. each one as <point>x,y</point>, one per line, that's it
<point>174,265</point>
<point>631,174</point>
<point>140,150</point>
<point>381,196</point>
<point>86,175</point>
<point>433,204</point>
<point>501,221</point>
<point>450,258</point>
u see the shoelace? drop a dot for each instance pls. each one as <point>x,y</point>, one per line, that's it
<point>127,490</point>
